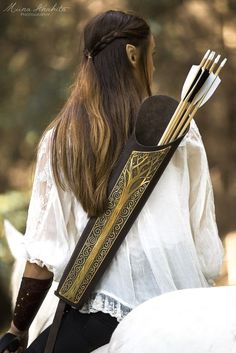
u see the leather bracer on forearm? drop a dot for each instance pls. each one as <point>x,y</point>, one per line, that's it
<point>30,297</point>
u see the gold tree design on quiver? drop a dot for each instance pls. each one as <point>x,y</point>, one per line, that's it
<point>130,186</point>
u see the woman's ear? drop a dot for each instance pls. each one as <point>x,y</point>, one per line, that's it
<point>132,53</point>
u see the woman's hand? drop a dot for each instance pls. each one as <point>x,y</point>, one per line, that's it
<point>23,336</point>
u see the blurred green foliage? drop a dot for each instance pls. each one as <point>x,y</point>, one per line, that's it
<point>13,206</point>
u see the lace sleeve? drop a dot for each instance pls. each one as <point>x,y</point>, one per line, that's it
<point>42,187</point>
<point>47,239</point>
<point>202,208</point>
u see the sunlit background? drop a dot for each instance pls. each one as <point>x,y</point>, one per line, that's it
<point>39,56</point>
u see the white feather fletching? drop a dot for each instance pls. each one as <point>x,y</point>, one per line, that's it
<point>211,84</point>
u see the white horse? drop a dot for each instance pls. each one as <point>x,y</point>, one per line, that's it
<point>186,321</point>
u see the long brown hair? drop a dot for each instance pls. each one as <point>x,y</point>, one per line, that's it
<point>93,126</point>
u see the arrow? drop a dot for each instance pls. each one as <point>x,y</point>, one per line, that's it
<point>200,84</point>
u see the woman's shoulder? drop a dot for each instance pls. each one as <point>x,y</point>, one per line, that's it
<point>46,138</point>
<point>44,145</point>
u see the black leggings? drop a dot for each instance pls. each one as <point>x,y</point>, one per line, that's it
<point>79,333</point>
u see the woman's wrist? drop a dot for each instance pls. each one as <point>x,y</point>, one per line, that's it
<point>15,331</point>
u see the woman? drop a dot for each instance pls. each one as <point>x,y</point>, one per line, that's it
<point>173,244</point>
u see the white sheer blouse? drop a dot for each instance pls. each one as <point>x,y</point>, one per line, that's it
<point>172,245</point>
